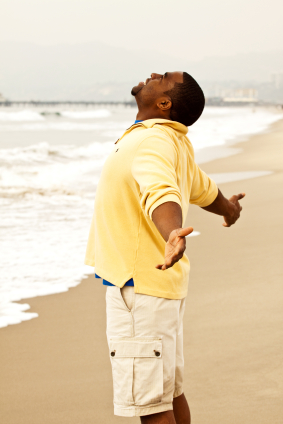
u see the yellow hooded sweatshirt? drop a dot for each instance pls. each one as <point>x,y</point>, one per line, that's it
<point>152,163</point>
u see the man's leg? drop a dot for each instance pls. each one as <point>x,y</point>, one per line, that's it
<point>181,410</point>
<point>179,415</point>
<point>166,417</point>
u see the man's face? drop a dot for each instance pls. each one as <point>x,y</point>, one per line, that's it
<point>153,88</point>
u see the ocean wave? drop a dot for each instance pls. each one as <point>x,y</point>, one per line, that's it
<point>18,192</point>
<point>22,115</point>
<point>45,239</point>
<point>220,126</point>
<point>65,126</point>
<point>86,114</point>
<point>45,153</point>
<point>30,115</point>
<point>44,170</point>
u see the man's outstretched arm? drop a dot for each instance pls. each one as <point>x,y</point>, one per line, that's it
<point>168,220</point>
<point>229,209</point>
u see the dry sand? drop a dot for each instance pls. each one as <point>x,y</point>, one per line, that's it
<point>55,369</point>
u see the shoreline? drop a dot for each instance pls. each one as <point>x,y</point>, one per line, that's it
<point>232,322</point>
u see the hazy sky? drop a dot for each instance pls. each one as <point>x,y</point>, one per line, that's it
<point>196,28</point>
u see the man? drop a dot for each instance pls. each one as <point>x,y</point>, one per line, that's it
<point>137,243</point>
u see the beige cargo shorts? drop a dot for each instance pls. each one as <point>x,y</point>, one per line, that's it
<point>145,338</point>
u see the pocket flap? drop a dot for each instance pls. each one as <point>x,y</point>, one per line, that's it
<point>134,347</point>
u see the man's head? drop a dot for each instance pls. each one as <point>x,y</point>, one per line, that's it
<point>174,95</point>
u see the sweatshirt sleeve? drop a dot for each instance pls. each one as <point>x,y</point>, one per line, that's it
<point>154,169</point>
<point>204,190</point>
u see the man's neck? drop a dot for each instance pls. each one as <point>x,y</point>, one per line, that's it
<point>149,114</point>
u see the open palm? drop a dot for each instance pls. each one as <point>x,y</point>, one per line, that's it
<point>175,247</point>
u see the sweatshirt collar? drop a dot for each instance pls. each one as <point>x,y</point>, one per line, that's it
<point>149,123</point>
<point>177,126</point>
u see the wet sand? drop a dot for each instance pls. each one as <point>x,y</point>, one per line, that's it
<point>55,368</point>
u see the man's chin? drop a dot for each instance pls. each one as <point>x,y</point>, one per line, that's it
<point>136,90</point>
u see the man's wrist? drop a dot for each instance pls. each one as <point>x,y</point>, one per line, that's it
<point>167,217</point>
<point>220,206</point>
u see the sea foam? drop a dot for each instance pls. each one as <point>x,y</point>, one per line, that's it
<point>19,116</point>
<point>86,114</point>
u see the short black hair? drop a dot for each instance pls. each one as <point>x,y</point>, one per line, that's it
<point>187,101</point>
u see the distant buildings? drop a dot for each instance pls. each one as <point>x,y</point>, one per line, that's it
<point>233,97</point>
<point>240,95</point>
<point>249,92</point>
<point>272,90</point>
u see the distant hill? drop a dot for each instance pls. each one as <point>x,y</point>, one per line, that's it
<point>96,71</point>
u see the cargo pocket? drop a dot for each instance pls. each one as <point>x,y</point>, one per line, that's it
<point>137,368</point>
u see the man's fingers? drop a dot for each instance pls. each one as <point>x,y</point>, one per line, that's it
<point>237,197</point>
<point>170,262</point>
<point>161,267</point>
<point>183,232</point>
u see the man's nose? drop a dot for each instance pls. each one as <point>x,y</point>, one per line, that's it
<point>155,76</point>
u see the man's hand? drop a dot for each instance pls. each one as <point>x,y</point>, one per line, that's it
<point>175,247</point>
<point>234,210</point>
<point>229,209</point>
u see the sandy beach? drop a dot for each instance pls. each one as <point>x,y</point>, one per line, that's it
<point>55,368</point>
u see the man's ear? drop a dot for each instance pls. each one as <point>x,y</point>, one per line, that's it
<point>164,103</point>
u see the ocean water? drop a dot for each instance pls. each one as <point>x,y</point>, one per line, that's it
<point>50,162</point>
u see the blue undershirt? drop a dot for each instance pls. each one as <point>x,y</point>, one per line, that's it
<point>107,283</point>
<point>131,281</point>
